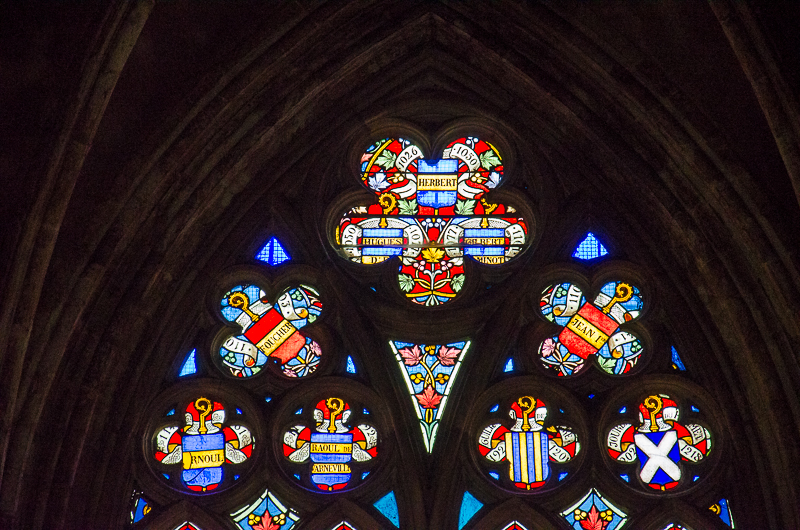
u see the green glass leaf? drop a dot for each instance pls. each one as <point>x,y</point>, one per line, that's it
<point>465,207</point>
<point>386,159</point>
<point>606,364</point>
<point>406,282</point>
<point>407,207</point>
<point>457,282</point>
<point>489,159</point>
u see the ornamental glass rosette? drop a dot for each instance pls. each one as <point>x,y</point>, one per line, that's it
<point>206,452</point>
<point>334,454</point>
<point>532,449</point>
<point>431,214</point>
<point>659,445</point>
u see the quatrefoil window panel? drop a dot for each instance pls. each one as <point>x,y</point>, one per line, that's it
<point>432,214</point>
<point>269,333</point>
<point>591,329</point>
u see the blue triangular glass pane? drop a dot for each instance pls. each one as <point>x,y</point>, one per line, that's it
<point>469,507</point>
<point>494,475</point>
<point>509,365</point>
<point>495,408</point>
<point>273,253</point>
<point>676,360</point>
<point>351,366</point>
<point>189,366</point>
<point>387,505</point>
<point>171,412</point>
<point>590,248</point>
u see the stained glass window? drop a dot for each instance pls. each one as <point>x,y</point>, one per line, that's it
<point>140,506</point>
<point>429,371</point>
<point>659,443</point>
<point>268,332</point>
<point>387,505</point>
<point>723,510</point>
<point>203,448</point>
<point>591,329</point>
<point>332,446</point>
<point>351,366</point>
<point>469,507</point>
<point>509,367</point>
<point>265,513</point>
<point>433,219</point>
<point>526,450</point>
<point>594,511</point>
<point>431,214</point>
<point>273,253</point>
<point>189,365</point>
<point>590,248</point>
<point>676,361</point>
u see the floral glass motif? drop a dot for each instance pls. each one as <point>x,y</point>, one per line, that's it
<point>591,328</point>
<point>270,331</point>
<point>332,446</point>
<point>594,512</point>
<point>265,513</point>
<point>203,446</point>
<point>429,371</point>
<point>431,214</point>
<point>527,446</point>
<point>659,442</point>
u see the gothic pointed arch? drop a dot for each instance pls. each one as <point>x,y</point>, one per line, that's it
<point>166,150</point>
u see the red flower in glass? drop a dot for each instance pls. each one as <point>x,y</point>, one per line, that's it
<point>266,524</point>
<point>429,399</point>
<point>448,356</point>
<point>411,356</point>
<point>594,521</point>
